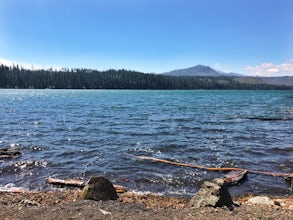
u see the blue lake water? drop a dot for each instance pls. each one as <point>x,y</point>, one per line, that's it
<point>80,133</point>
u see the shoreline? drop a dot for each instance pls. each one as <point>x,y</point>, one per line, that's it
<point>67,204</point>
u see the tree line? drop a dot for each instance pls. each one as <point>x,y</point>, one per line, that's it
<point>17,77</point>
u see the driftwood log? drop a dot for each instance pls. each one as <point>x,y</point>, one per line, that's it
<point>234,176</point>
<point>208,168</point>
<point>287,176</point>
<point>9,153</point>
<point>77,183</point>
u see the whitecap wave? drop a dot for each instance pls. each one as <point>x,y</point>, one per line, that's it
<point>10,187</point>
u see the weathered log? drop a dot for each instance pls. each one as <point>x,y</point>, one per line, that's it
<point>207,168</point>
<point>77,183</point>
<point>119,189</point>
<point>9,153</point>
<point>234,176</point>
<point>67,182</point>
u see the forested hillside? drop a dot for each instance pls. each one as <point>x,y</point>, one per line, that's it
<point>15,77</point>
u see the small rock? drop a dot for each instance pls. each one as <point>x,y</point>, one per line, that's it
<point>263,200</point>
<point>213,194</point>
<point>99,188</point>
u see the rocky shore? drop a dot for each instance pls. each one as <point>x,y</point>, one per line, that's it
<point>98,198</point>
<point>67,204</point>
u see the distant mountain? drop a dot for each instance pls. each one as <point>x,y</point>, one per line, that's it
<point>199,70</point>
<point>206,71</point>
<point>230,74</point>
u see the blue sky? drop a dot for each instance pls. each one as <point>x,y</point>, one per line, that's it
<point>254,37</point>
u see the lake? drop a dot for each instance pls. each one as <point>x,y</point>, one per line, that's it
<point>81,133</point>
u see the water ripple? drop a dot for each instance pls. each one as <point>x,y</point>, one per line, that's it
<point>77,133</point>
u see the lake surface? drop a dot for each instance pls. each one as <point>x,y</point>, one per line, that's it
<point>80,133</point>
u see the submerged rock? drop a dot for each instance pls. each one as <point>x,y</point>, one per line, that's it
<point>99,188</point>
<point>213,194</point>
<point>9,153</point>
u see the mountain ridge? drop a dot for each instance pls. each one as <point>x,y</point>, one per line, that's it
<point>199,70</point>
<point>206,71</point>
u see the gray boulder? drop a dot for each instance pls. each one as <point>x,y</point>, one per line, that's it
<point>213,194</point>
<point>99,188</point>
